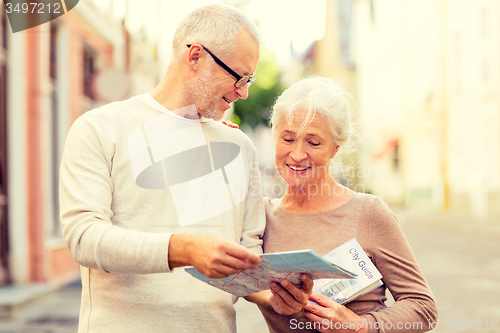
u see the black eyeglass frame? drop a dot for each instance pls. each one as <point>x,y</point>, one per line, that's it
<point>240,80</point>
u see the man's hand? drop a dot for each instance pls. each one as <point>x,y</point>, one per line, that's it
<point>212,256</point>
<point>285,298</point>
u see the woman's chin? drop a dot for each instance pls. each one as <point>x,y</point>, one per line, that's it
<point>297,187</point>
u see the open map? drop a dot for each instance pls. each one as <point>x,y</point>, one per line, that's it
<point>276,267</point>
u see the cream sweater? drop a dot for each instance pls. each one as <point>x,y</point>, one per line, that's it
<point>133,174</point>
<point>370,221</point>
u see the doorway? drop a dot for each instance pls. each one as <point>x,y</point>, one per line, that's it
<point>4,232</point>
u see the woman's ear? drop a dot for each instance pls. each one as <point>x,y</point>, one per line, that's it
<point>335,151</point>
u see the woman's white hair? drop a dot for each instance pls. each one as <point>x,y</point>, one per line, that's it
<point>318,95</point>
<point>215,26</point>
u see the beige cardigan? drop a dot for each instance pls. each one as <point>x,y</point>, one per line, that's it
<point>119,231</point>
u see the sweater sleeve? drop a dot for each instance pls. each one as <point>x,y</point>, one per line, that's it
<point>86,190</point>
<point>254,222</point>
<point>414,305</point>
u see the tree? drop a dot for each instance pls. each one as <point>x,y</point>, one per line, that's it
<point>262,94</point>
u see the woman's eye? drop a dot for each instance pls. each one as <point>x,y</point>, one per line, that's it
<point>314,143</point>
<point>288,140</point>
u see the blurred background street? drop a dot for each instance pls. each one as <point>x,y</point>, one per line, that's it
<point>425,78</point>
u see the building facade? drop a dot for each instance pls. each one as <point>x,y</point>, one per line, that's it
<point>426,81</point>
<point>428,84</point>
<point>48,78</point>
<point>333,57</point>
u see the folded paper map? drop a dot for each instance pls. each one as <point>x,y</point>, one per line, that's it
<point>276,267</point>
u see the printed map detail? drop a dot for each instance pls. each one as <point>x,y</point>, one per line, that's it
<point>276,267</point>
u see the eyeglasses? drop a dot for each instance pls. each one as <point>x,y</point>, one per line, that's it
<point>240,80</point>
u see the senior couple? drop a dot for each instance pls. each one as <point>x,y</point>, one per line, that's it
<point>120,193</point>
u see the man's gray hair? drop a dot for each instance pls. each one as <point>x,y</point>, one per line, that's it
<point>215,26</point>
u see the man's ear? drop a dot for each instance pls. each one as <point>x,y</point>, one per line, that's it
<point>193,56</point>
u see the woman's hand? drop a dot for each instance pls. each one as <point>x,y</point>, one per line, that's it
<point>333,317</point>
<point>285,297</point>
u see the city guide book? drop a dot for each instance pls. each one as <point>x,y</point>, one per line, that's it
<point>343,274</point>
<point>352,257</point>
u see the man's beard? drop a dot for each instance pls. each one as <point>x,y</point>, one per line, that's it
<point>198,92</point>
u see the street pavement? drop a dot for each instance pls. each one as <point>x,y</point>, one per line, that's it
<point>460,260</point>
<point>462,266</point>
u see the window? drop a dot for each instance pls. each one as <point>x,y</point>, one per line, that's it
<point>4,29</point>
<point>88,70</point>
<point>4,233</point>
<point>53,51</point>
<point>55,162</point>
<point>395,155</point>
<point>372,12</point>
<point>486,46</point>
<point>54,227</point>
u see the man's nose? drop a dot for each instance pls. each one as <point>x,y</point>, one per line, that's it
<point>243,91</point>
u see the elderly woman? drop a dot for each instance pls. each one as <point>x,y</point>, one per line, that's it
<point>311,123</point>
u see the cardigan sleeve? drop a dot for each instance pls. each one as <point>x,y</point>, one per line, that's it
<point>414,305</point>
<point>86,195</point>
<point>254,222</point>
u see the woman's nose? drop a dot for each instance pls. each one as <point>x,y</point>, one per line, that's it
<point>298,152</point>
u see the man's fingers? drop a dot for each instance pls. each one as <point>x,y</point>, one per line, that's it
<point>223,268</point>
<point>236,265</point>
<point>242,253</point>
<point>228,258</point>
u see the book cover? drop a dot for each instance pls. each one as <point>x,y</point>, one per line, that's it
<point>352,257</point>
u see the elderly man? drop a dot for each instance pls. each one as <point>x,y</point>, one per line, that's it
<point>155,182</point>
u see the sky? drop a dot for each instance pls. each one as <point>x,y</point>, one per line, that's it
<point>282,22</point>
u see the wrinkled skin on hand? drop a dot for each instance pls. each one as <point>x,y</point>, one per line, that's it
<point>212,256</point>
<point>285,297</point>
<point>338,317</point>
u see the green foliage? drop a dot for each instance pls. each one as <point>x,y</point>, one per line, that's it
<point>262,94</point>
